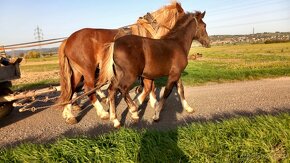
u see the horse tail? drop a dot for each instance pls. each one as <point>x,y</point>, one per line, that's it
<point>65,75</point>
<point>106,67</point>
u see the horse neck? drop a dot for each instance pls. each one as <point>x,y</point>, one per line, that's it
<point>186,35</point>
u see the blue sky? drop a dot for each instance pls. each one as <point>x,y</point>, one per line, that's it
<point>60,18</point>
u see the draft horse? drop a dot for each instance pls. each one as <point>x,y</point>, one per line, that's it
<point>81,54</point>
<point>131,56</point>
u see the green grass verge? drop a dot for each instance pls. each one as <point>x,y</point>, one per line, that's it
<point>36,85</point>
<point>40,68</point>
<point>262,138</point>
<point>46,58</point>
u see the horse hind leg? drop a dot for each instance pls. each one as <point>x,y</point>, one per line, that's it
<point>125,83</point>
<point>89,84</point>
<point>152,97</point>
<point>112,90</point>
<point>133,108</point>
<point>67,112</point>
<point>184,103</point>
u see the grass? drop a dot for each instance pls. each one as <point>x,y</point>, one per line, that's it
<point>238,62</point>
<point>47,58</point>
<point>35,85</point>
<point>264,138</point>
<point>40,67</point>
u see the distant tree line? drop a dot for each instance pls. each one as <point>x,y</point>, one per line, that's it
<point>36,54</point>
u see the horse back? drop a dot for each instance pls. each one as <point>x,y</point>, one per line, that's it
<point>85,46</point>
<point>151,58</point>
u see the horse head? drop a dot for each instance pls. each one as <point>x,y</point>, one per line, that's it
<point>201,33</point>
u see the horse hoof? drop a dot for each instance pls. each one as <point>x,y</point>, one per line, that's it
<point>190,110</point>
<point>76,108</point>
<point>117,124</point>
<point>155,118</point>
<point>135,116</point>
<point>105,116</point>
<point>71,120</point>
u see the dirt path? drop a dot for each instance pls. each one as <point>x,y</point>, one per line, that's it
<point>212,102</point>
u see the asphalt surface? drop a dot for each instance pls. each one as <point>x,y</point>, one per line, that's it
<point>212,102</point>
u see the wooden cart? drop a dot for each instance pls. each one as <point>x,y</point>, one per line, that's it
<point>7,73</point>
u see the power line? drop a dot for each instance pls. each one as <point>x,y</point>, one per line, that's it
<point>31,45</point>
<point>227,7</point>
<point>61,38</point>
<point>249,15</point>
<point>217,12</point>
<point>249,23</point>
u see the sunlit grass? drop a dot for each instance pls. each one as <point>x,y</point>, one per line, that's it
<point>258,139</point>
<point>238,62</point>
<point>35,85</point>
<point>39,67</point>
<point>42,59</point>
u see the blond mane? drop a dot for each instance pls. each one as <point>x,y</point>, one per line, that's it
<point>165,18</point>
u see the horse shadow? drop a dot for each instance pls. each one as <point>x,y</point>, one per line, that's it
<point>86,105</point>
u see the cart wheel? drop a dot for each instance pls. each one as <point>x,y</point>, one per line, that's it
<point>5,84</point>
<point>5,109</point>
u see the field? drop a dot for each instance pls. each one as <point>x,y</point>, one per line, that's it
<point>262,138</point>
<point>238,62</point>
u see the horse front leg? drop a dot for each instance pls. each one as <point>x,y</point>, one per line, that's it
<point>148,86</point>
<point>184,103</point>
<point>168,88</point>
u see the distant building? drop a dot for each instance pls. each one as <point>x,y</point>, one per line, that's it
<point>251,38</point>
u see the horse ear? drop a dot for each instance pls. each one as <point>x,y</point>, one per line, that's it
<point>202,15</point>
<point>179,8</point>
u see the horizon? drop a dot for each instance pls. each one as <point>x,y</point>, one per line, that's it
<point>19,18</point>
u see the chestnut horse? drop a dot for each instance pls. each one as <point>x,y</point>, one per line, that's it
<point>81,55</point>
<point>131,56</point>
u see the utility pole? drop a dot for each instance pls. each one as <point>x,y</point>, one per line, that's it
<point>38,35</point>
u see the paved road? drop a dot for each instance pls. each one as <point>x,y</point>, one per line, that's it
<point>212,102</point>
